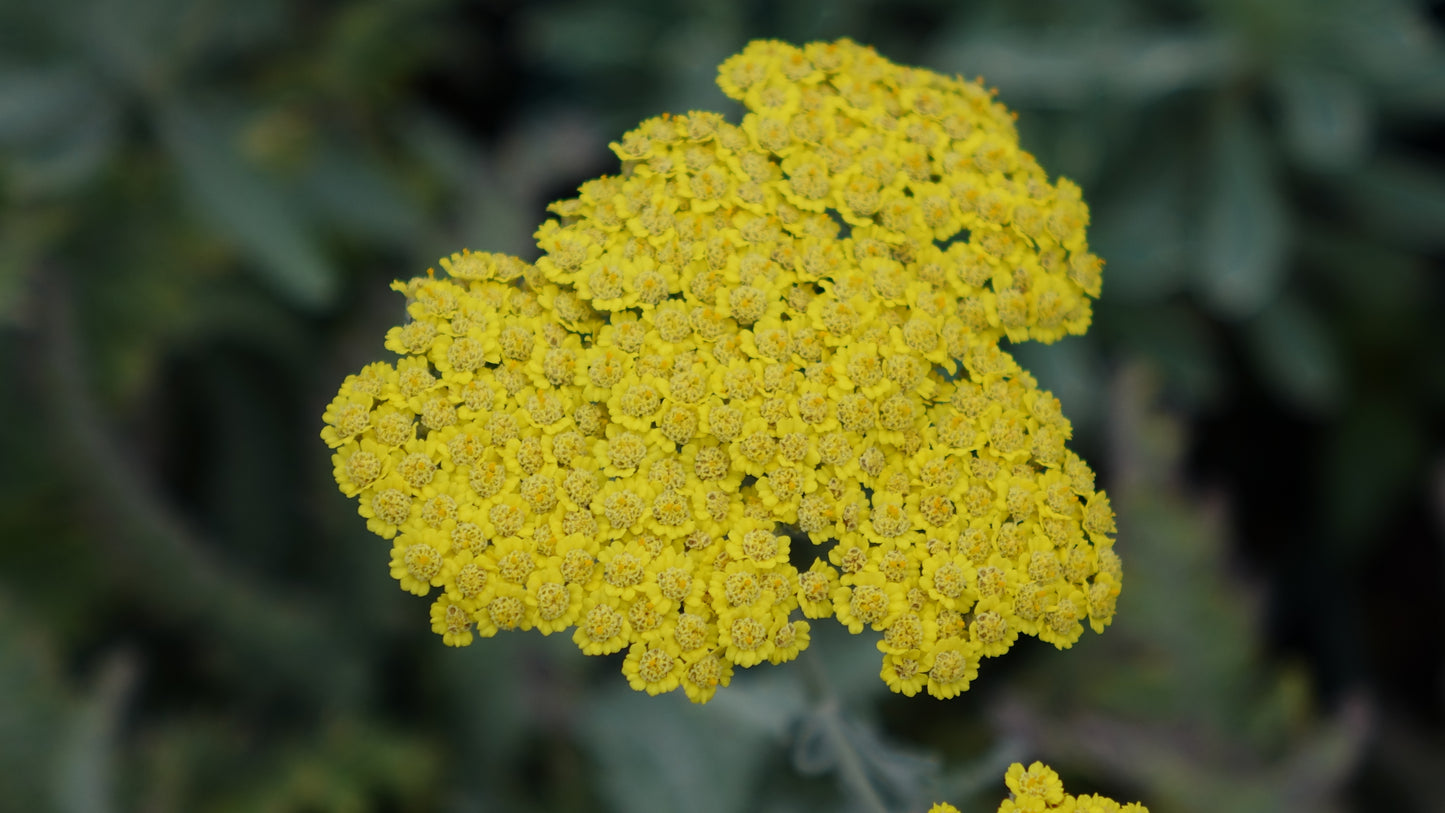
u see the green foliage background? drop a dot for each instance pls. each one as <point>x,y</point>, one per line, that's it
<point>203,203</point>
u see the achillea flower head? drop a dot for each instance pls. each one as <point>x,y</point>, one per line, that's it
<point>1037,788</point>
<point>753,335</point>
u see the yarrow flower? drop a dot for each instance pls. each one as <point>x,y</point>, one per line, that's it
<point>759,341</point>
<point>1038,788</point>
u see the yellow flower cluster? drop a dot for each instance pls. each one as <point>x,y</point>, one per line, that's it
<point>1037,789</point>
<point>756,335</point>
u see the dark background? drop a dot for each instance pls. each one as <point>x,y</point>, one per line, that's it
<point>204,203</point>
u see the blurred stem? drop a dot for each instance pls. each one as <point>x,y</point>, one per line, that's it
<point>169,567</point>
<point>828,711</point>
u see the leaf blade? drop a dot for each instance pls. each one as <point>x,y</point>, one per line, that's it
<point>247,209</point>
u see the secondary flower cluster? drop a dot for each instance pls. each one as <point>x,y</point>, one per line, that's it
<point>1037,788</point>
<point>759,335</point>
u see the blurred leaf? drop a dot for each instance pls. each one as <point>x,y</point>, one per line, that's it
<point>24,238</point>
<point>441,147</point>
<point>1383,40</point>
<point>362,56</point>
<point>1403,198</point>
<point>1296,355</point>
<point>485,212</point>
<point>57,126</point>
<point>1141,232</point>
<point>492,713</point>
<point>1326,118</point>
<point>27,31</point>
<point>1149,66</point>
<point>584,37</point>
<point>770,703</point>
<point>345,766</point>
<point>852,670</point>
<point>248,209</point>
<point>1322,765</point>
<point>1076,145</point>
<point>69,156</point>
<point>35,103</point>
<point>136,42</point>
<point>1193,630</point>
<point>1381,281</point>
<point>32,712</point>
<point>1070,69</point>
<point>1179,342</point>
<point>235,29</point>
<point>1421,95</point>
<point>663,754</point>
<point>354,193</point>
<point>1243,228</point>
<point>689,56</point>
<point>89,749</point>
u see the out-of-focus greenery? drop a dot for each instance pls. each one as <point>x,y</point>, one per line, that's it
<point>204,201</point>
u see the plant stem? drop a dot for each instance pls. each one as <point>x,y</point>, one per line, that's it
<point>828,711</point>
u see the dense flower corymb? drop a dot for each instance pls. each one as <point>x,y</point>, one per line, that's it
<point>1037,788</point>
<point>754,338</point>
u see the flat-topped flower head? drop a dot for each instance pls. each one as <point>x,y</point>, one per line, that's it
<point>755,333</point>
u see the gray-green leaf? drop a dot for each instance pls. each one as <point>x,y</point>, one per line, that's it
<point>1402,198</point>
<point>1295,355</point>
<point>1243,231</point>
<point>1326,118</point>
<point>246,207</point>
<point>663,754</point>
